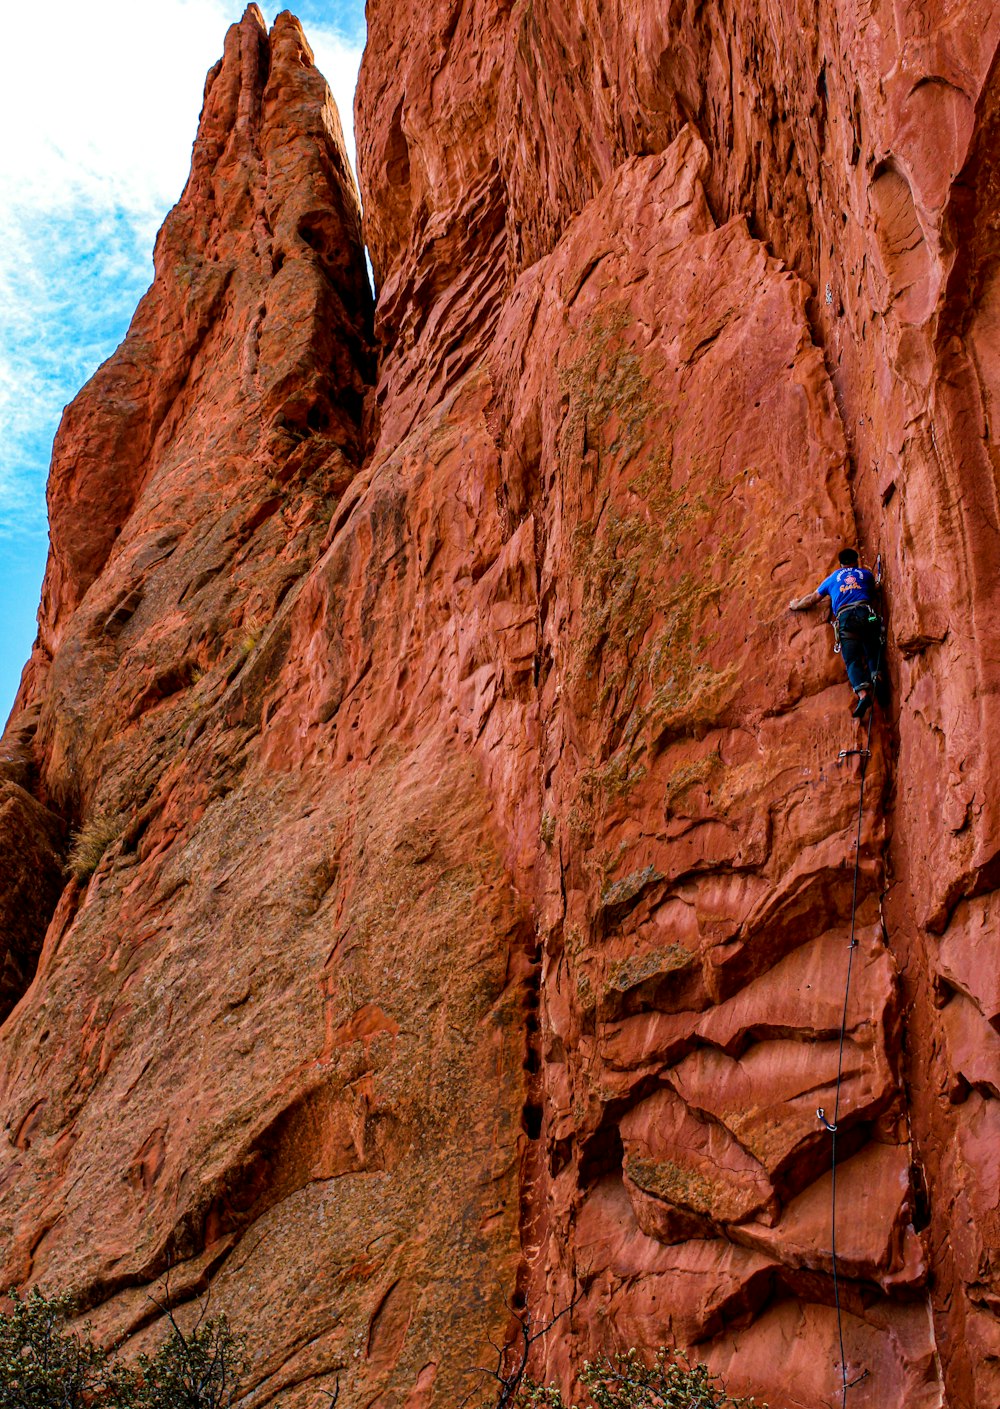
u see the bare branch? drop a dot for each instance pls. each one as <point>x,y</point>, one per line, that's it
<point>514,1354</point>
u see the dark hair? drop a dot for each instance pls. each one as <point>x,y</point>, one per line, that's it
<point>848,558</point>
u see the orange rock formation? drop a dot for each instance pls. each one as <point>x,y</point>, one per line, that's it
<point>472,920</point>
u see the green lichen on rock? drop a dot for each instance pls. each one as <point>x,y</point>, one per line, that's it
<point>689,775</point>
<point>576,945</point>
<point>671,1182</point>
<point>620,896</point>
<point>693,1189</point>
<point>607,391</point>
<point>642,656</point>
<point>636,969</point>
<point>598,789</point>
<point>765,1139</point>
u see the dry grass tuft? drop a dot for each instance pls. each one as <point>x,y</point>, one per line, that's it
<point>90,843</point>
<point>253,629</point>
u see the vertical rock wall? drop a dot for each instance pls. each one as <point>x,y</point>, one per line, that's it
<point>471,863</point>
<point>275,1039</point>
<point>856,140</point>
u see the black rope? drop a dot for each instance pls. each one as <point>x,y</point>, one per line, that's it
<point>864,755</point>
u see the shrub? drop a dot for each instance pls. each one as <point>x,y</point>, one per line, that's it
<point>42,1366</point>
<point>45,1366</point>
<point>203,1369</point>
<point>627,1382</point>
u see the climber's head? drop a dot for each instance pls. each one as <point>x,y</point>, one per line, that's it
<point>848,558</point>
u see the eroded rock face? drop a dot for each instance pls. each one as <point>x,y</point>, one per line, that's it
<point>475,905</point>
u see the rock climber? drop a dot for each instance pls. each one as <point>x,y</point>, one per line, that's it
<point>853,594</point>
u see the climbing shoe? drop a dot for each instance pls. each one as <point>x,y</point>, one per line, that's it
<point>862,707</point>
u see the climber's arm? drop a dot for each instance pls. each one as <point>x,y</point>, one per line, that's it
<point>802,604</point>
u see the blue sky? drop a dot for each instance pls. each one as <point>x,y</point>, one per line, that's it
<point>105,112</point>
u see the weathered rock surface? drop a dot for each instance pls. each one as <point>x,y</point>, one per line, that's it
<point>475,908</point>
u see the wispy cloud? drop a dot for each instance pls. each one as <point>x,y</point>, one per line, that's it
<point>65,298</point>
<point>104,99</point>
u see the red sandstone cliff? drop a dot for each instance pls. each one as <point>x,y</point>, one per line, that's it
<point>473,916</point>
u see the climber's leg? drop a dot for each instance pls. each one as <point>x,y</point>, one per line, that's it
<point>855,658</point>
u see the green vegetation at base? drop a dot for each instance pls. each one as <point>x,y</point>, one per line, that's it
<point>42,1367</point>
<point>45,1365</point>
<point>627,1382</point>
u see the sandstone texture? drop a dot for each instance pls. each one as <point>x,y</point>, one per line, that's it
<point>471,867</point>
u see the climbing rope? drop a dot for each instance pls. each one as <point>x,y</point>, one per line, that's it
<point>863,754</point>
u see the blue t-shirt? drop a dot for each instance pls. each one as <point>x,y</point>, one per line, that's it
<point>848,587</point>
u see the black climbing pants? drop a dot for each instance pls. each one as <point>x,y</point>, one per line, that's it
<point>860,645</point>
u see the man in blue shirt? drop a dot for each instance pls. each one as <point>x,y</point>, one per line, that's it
<point>853,592</point>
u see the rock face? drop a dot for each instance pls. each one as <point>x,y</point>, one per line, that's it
<point>471,865</point>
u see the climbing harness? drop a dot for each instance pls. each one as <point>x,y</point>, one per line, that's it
<point>844,630</point>
<point>839,633</point>
<point>863,755</point>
